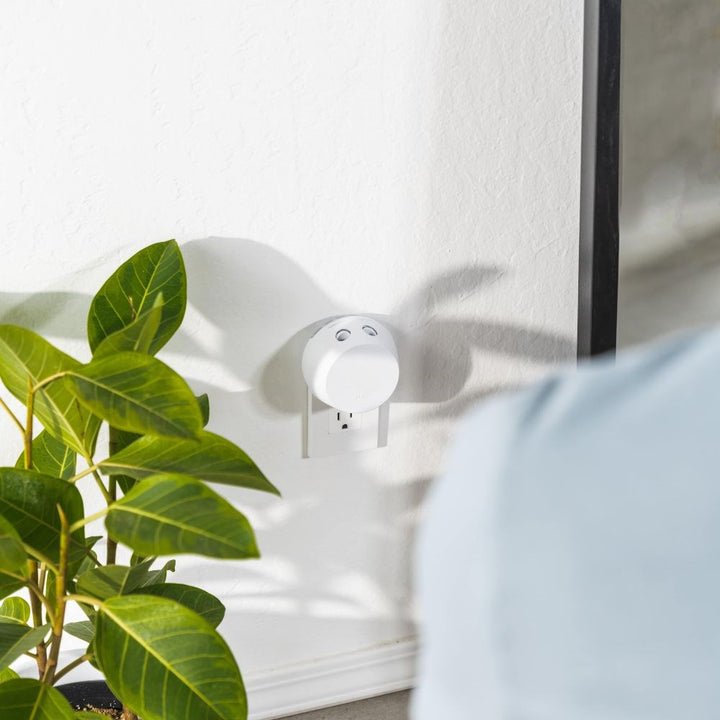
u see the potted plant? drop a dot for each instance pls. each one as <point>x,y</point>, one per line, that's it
<point>154,641</point>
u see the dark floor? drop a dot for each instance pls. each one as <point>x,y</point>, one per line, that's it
<point>385,707</point>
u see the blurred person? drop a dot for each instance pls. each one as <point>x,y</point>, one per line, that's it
<point>569,564</point>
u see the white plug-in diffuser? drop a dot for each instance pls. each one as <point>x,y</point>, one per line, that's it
<point>351,366</point>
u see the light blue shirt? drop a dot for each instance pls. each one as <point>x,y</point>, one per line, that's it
<point>569,565</point>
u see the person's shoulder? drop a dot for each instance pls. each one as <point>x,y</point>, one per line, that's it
<point>639,382</point>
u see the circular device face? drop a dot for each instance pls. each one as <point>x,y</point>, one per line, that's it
<point>351,364</point>
<point>362,378</point>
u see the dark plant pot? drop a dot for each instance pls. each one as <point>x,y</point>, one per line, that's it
<point>93,694</point>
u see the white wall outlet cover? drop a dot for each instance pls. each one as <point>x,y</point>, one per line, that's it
<point>351,364</point>
<point>325,435</point>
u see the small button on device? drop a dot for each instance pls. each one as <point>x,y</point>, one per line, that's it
<point>342,335</point>
<point>369,330</point>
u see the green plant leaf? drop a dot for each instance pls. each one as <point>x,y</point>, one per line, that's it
<point>8,674</point>
<point>199,601</point>
<point>165,661</point>
<point>83,630</point>
<point>91,559</point>
<point>125,482</point>
<point>23,355</point>
<point>82,559</point>
<point>12,554</point>
<point>134,287</point>
<point>87,563</point>
<point>27,699</point>
<point>87,715</point>
<point>155,577</point>
<point>8,585</point>
<point>107,581</point>
<point>13,558</point>
<point>119,440</point>
<point>15,639</point>
<point>204,403</point>
<point>171,514</point>
<point>51,457</point>
<point>51,592</point>
<point>88,610</point>
<point>14,609</point>
<point>137,393</point>
<point>91,652</point>
<point>210,457</point>
<point>137,336</point>
<point>30,499</point>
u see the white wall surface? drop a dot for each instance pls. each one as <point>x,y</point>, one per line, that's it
<point>417,159</point>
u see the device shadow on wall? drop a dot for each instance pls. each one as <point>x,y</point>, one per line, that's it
<point>263,307</point>
<point>271,306</point>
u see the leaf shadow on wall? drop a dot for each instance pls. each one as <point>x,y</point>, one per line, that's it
<point>336,554</point>
<point>258,308</point>
<point>53,313</point>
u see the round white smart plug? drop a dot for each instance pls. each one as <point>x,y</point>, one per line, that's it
<point>351,364</point>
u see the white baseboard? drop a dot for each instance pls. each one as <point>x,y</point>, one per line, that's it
<point>305,686</point>
<point>332,681</point>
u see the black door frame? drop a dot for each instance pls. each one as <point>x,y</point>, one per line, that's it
<point>600,186</point>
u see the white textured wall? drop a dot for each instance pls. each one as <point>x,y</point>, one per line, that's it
<point>413,158</point>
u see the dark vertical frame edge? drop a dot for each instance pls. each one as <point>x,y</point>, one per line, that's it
<point>600,183</point>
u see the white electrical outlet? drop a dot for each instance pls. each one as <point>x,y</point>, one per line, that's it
<point>340,421</point>
<point>329,431</point>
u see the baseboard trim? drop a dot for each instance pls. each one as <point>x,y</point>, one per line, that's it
<point>312,685</point>
<point>332,680</point>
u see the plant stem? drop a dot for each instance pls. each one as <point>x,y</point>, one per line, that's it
<point>28,436</point>
<point>36,604</point>
<point>87,520</point>
<point>114,445</point>
<point>38,595</point>
<point>82,474</point>
<point>48,380</point>
<point>60,600</point>
<point>41,579</point>
<point>72,665</point>
<point>86,599</point>
<point>41,558</point>
<point>12,415</point>
<point>102,488</point>
<point>36,607</point>
<point>112,544</point>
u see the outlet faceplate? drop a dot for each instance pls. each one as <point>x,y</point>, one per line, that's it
<point>328,431</point>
